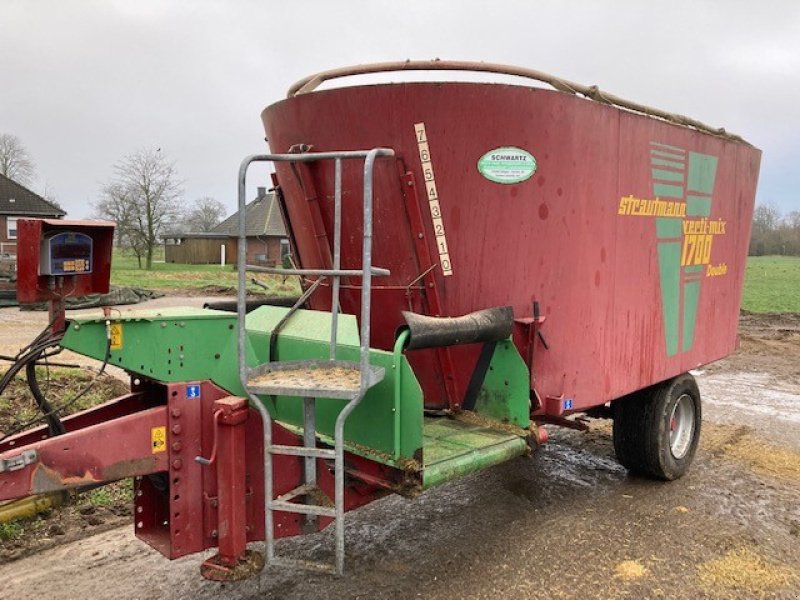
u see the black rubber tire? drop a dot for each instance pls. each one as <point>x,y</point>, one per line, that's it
<point>642,429</point>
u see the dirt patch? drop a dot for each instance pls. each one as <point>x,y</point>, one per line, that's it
<point>767,342</point>
<point>76,515</point>
<point>81,516</point>
<point>59,386</point>
<point>743,570</point>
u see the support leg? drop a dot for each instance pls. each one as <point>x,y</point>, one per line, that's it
<point>233,561</point>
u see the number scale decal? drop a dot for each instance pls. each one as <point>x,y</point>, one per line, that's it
<point>433,199</point>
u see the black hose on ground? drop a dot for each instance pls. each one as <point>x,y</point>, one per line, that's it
<point>59,409</point>
<point>54,424</point>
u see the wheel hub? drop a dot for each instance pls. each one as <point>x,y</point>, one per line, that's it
<point>682,424</point>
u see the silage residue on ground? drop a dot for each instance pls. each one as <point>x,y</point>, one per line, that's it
<point>629,570</point>
<point>743,570</point>
<point>761,456</point>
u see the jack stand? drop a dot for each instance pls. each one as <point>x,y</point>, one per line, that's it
<point>234,561</point>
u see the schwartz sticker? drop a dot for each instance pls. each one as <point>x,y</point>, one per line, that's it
<point>683,183</point>
<point>507,165</point>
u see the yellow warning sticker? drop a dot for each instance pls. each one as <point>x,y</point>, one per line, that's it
<point>116,336</point>
<point>158,439</point>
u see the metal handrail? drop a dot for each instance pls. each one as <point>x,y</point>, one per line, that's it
<point>369,157</point>
<point>311,82</point>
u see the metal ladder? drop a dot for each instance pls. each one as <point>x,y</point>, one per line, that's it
<point>312,379</point>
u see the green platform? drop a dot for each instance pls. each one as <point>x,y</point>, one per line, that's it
<point>453,448</point>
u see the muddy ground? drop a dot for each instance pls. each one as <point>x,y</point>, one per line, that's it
<point>567,523</point>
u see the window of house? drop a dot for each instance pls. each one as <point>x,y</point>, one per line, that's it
<point>11,228</point>
<point>284,248</point>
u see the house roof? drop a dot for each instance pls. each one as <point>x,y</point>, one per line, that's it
<point>262,218</point>
<point>16,199</point>
<point>205,235</point>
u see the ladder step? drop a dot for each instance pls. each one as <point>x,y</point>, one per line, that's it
<point>302,451</point>
<point>312,379</point>
<point>309,565</point>
<point>304,509</point>
<point>378,271</point>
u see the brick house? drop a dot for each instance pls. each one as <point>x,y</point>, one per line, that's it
<point>267,242</point>
<point>18,202</point>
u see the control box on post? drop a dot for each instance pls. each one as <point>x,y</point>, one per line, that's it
<point>57,258</point>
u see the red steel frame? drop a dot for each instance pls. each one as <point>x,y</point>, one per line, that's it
<point>180,505</point>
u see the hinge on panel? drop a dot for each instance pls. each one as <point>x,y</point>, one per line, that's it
<point>20,461</point>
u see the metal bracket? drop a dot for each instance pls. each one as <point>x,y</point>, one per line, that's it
<point>20,461</point>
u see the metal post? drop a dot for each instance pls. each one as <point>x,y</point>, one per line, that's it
<point>366,279</point>
<point>364,363</point>
<point>310,441</point>
<point>337,251</point>
<point>241,312</point>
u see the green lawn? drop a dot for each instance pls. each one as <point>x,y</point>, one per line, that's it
<point>171,277</point>
<point>772,284</point>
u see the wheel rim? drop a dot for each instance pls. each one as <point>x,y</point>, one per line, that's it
<point>681,426</point>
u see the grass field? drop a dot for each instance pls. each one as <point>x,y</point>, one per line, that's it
<point>172,277</point>
<point>772,284</point>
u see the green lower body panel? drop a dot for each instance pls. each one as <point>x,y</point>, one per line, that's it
<point>453,448</point>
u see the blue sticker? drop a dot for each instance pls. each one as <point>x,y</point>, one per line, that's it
<point>568,404</point>
<point>192,391</point>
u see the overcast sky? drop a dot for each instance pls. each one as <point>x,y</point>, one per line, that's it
<point>84,83</point>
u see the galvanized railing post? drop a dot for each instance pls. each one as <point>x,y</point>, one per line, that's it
<point>337,252</point>
<point>366,273</point>
<point>241,313</point>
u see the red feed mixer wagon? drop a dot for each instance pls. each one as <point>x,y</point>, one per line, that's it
<point>477,260</point>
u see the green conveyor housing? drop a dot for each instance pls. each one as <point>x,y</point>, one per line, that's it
<point>389,426</point>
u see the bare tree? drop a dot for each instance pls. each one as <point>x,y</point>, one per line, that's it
<point>144,199</point>
<point>206,214</point>
<point>116,204</point>
<point>773,233</point>
<point>49,194</point>
<point>15,161</point>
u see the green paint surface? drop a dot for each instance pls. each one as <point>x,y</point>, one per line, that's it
<point>702,172</point>
<point>665,190</point>
<point>698,206</point>
<point>505,393</point>
<point>662,146</point>
<point>700,176</point>
<point>669,263</point>
<point>691,294</point>
<point>667,175</point>
<point>179,345</point>
<point>454,448</point>
<point>667,155</point>
<point>660,162</point>
<point>667,227</point>
<point>189,345</point>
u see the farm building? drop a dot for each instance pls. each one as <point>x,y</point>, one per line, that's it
<point>267,243</point>
<point>18,202</point>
